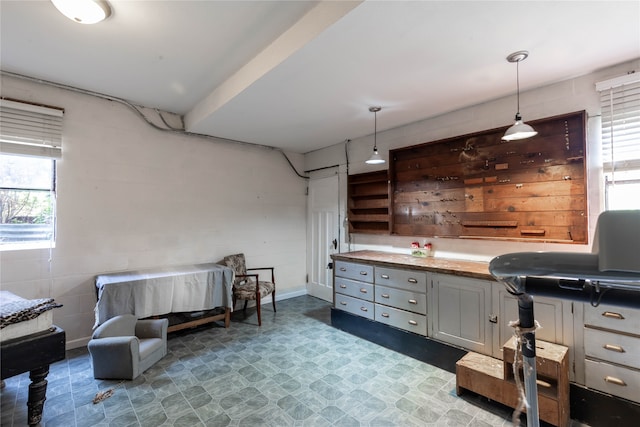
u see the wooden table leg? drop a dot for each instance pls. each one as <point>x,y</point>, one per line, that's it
<point>37,395</point>
<point>227,317</point>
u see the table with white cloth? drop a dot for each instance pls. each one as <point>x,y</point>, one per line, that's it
<point>197,288</point>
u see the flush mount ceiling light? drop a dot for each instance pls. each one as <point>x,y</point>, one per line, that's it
<point>519,130</point>
<point>84,11</point>
<point>375,158</point>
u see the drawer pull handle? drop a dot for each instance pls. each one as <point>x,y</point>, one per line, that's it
<point>363,273</point>
<point>384,276</point>
<point>612,315</point>
<point>412,280</point>
<point>343,269</point>
<point>412,301</point>
<point>343,286</point>
<point>413,322</point>
<point>543,383</point>
<point>364,309</point>
<point>343,303</point>
<point>614,347</point>
<point>363,290</point>
<point>614,380</point>
<point>385,295</point>
<point>385,314</point>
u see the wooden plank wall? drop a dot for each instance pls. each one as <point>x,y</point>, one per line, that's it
<point>478,186</point>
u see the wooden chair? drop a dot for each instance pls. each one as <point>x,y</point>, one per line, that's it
<point>244,285</point>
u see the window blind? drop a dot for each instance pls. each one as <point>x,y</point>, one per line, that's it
<point>31,130</point>
<point>620,102</point>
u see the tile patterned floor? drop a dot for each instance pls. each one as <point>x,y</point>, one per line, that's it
<point>296,370</point>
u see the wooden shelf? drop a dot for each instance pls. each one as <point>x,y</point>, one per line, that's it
<point>368,203</point>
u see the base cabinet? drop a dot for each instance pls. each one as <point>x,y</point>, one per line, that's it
<point>470,313</point>
<point>353,289</point>
<point>460,312</point>
<point>548,312</point>
<point>474,314</point>
<point>612,350</point>
<point>401,299</point>
<point>395,297</point>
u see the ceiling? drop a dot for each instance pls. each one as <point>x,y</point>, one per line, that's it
<point>301,75</point>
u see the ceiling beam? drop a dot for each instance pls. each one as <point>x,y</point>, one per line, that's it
<point>313,23</point>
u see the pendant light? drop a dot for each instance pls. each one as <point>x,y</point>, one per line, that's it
<point>84,11</point>
<point>519,130</point>
<point>375,158</point>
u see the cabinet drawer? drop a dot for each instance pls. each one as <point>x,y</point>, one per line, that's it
<point>350,270</point>
<point>404,300</point>
<point>354,306</point>
<point>613,379</point>
<point>415,281</point>
<point>354,288</point>
<point>416,323</point>
<point>613,317</point>
<point>612,347</point>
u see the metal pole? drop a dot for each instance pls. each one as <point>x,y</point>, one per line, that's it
<point>527,323</point>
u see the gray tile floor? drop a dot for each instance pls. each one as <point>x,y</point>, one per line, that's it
<point>296,370</point>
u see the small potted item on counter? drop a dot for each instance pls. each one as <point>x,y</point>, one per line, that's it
<point>417,251</point>
<point>429,249</point>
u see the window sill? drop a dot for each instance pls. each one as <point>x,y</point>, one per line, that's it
<point>5,247</point>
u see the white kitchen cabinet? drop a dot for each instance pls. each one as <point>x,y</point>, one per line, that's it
<point>460,312</point>
<point>401,299</point>
<point>547,311</point>
<point>475,314</point>
<point>353,289</point>
<point>612,350</point>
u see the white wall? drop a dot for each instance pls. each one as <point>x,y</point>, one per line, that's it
<point>131,197</point>
<point>563,97</point>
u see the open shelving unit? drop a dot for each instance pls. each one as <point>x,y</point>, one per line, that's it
<point>368,202</point>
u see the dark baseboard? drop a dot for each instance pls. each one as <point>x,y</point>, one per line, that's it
<point>587,406</point>
<point>599,409</point>
<point>432,352</point>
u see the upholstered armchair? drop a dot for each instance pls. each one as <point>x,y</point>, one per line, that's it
<point>249,286</point>
<point>123,347</point>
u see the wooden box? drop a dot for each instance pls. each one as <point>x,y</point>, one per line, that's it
<point>494,379</point>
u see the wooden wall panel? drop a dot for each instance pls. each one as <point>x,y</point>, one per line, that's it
<point>478,186</point>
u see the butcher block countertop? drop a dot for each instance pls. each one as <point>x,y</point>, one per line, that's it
<point>479,270</point>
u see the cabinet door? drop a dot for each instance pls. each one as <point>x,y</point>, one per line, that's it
<point>547,311</point>
<point>460,310</point>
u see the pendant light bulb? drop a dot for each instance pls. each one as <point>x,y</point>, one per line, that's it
<point>376,158</point>
<point>519,130</point>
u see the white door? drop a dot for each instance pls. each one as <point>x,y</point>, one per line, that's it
<point>322,235</point>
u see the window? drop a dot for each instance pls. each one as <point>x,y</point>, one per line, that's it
<point>620,102</point>
<point>27,199</point>
<point>30,141</point>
